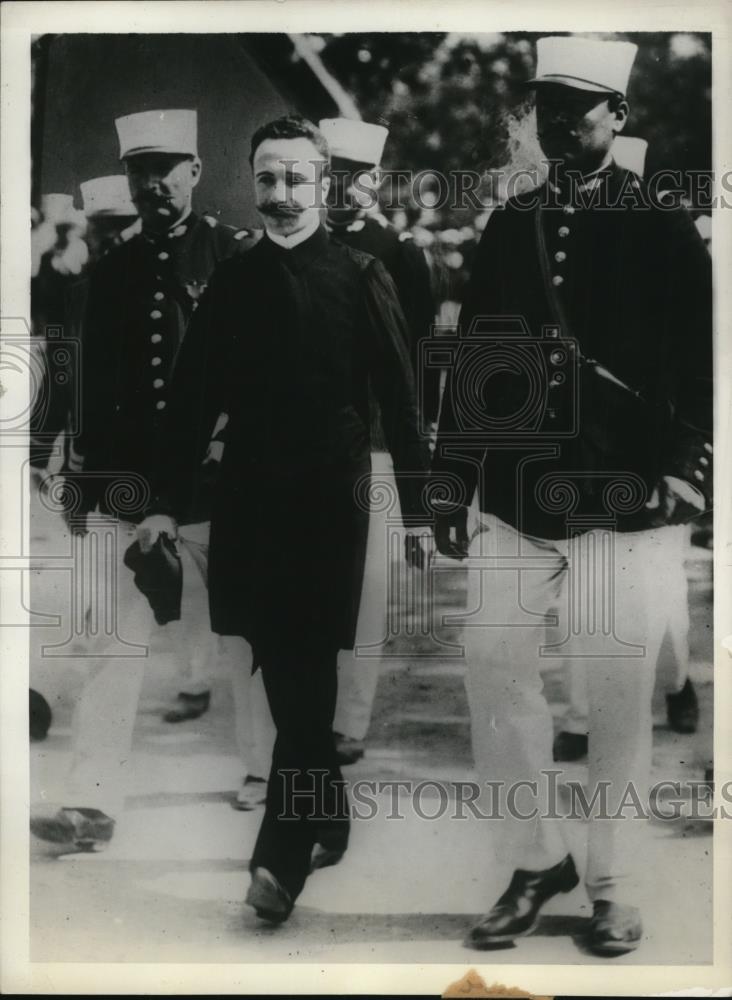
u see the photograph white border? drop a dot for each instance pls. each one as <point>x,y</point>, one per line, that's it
<point>19,21</point>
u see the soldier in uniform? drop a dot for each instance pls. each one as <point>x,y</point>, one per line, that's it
<point>289,338</point>
<point>579,408</point>
<point>356,152</point>
<point>140,298</point>
<point>59,256</point>
<point>682,709</point>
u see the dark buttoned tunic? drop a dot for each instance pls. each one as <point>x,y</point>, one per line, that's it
<point>286,343</point>
<point>141,296</point>
<point>525,418</point>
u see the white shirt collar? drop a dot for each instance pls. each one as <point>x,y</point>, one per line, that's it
<point>288,242</point>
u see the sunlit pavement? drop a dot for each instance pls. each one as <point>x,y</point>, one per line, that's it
<point>170,886</point>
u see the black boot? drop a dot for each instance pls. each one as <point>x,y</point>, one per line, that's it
<point>614,929</point>
<point>270,899</point>
<point>682,709</point>
<point>570,746</point>
<point>39,715</point>
<point>516,913</point>
<point>192,706</point>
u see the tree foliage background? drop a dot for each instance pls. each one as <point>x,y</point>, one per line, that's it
<point>456,102</point>
<point>452,100</point>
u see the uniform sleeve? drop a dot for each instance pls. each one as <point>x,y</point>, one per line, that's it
<point>393,382</point>
<point>415,295</point>
<point>689,320</point>
<point>457,471</point>
<point>99,373</point>
<point>199,392</point>
<point>231,242</point>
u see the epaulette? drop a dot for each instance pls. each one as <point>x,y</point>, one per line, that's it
<point>381,219</point>
<point>245,239</point>
<point>403,237</point>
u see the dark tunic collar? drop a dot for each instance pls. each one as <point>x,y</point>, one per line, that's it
<point>172,234</point>
<point>580,191</point>
<point>298,257</point>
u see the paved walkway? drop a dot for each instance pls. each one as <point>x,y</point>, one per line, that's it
<point>170,886</point>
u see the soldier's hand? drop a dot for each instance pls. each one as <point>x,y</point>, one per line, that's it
<point>674,501</point>
<point>418,547</point>
<point>149,530</point>
<point>451,534</point>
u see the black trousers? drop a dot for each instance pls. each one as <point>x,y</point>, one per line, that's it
<point>306,799</point>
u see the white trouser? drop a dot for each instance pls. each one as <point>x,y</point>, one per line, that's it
<point>675,624</point>
<point>358,668</point>
<point>512,582</point>
<point>202,655</point>
<point>195,644</point>
<point>255,729</point>
<point>119,625</point>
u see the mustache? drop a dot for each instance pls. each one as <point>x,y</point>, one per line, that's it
<point>276,208</point>
<point>150,198</point>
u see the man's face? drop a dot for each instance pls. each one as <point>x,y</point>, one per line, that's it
<point>353,190</point>
<point>161,186</point>
<point>576,127</point>
<point>290,184</point>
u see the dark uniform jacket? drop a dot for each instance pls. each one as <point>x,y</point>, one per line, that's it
<point>408,268</point>
<point>286,342</point>
<point>543,433</point>
<point>140,298</point>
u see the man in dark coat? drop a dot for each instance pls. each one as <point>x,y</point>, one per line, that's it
<point>140,298</point>
<point>579,408</point>
<point>285,343</point>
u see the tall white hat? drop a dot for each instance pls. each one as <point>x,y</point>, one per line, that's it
<point>107,196</point>
<point>584,63</point>
<point>57,207</point>
<point>630,153</point>
<point>353,140</point>
<point>170,131</point>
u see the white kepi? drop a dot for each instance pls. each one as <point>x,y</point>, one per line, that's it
<point>354,140</point>
<point>584,63</point>
<point>107,196</point>
<point>170,131</point>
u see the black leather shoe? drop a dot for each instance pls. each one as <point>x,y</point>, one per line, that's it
<point>74,829</point>
<point>348,750</point>
<point>570,746</point>
<point>682,709</point>
<point>516,913</point>
<point>270,900</point>
<point>39,715</point>
<point>253,793</point>
<point>614,928</point>
<point>192,706</point>
<point>329,849</point>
